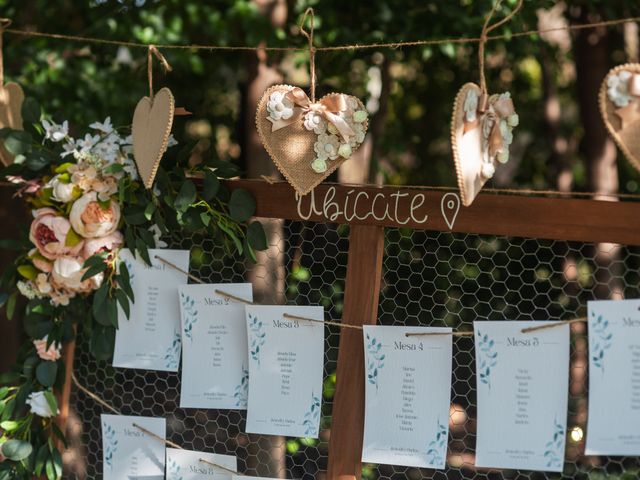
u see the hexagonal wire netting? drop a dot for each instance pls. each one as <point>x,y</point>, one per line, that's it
<point>430,278</point>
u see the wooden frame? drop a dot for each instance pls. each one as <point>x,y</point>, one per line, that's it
<point>368,209</point>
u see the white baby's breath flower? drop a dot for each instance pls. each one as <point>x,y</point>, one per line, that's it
<point>104,127</point>
<point>326,147</point>
<point>27,289</point>
<point>128,140</point>
<point>85,144</point>
<point>69,148</point>
<point>55,132</point>
<point>130,168</point>
<point>279,107</point>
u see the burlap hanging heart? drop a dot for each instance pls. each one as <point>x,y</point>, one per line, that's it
<point>480,137</point>
<point>11,99</point>
<point>619,100</point>
<point>152,122</point>
<point>309,141</point>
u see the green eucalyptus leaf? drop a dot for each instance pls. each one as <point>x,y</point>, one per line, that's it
<point>16,450</point>
<point>186,196</point>
<point>256,236</point>
<point>46,373</point>
<point>17,142</point>
<point>211,185</point>
<point>242,205</point>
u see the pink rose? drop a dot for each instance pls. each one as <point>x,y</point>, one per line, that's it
<point>96,245</point>
<point>90,220</point>
<point>51,354</point>
<point>48,233</point>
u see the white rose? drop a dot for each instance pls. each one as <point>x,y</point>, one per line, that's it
<point>61,191</point>
<point>67,274</point>
<point>39,405</point>
<point>90,220</point>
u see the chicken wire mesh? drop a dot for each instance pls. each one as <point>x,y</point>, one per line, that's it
<point>429,278</point>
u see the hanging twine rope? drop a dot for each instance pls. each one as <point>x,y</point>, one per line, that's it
<point>163,61</point>
<point>486,29</point>
<point>309,13</point>
<point>356,46</point>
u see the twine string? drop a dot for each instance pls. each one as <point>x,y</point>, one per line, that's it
<point>163,61</point>
<point>486,30</point>
<point>356,46</point>
<point>113,409</point>
<point>548,325</point>
<point>312,50</point>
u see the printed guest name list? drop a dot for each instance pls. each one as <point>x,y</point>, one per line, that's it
<point>523,383</point>
<point>613,426</point>
<point>286,358</point>
<point>408,393</point>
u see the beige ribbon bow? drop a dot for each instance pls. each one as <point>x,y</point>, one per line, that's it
<point>328,107</point>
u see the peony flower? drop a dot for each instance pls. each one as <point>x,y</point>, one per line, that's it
<point>90,220</point>
<point>61,191</point>
<point>327,147</point>
<point>67,275</point>
<point>313,121</point>
<point>50,354</point>
<point>48,233</point>
<point>55,132</point>
<point>279,106</point>
<point>39,405</point>
<point>101,244</point>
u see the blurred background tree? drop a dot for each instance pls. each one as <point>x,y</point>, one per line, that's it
<point>554,79</point>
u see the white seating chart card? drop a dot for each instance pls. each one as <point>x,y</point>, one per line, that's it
<point>523,388</point>
<point>613,426</point>
<point>286,361</point>
<point>128,452</point>
<point>150,339</point>
<point>215,369</point>
<point>408,394</point>
<point>186,465</point>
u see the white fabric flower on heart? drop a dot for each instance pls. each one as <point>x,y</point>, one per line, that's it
<point>279,106</point>
<point>313,121</point>
<point>55,132</point>
<point>470,105</point>
<point>326,147</point>
<point>39,405</point>
<point>618,88</point>
<point>319,166</point>
<point>359,134</point>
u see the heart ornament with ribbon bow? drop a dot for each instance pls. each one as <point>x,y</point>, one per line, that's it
<point>309,140</point>
<point>620,107</point>
<point>481,132</point>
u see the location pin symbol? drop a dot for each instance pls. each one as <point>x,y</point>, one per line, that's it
<point>449,206</point>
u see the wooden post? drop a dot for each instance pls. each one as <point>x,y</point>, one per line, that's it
<point>362,289</point>
<point>64,396</point>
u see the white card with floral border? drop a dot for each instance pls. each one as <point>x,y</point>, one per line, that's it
<point>150,339</point>
<point>407,396</point>
<point>186,465</point>
<point>215,362</point>
<point>286,364</point>
<point>128,452</point>
<point>523,390</point>
<point>613,426</point>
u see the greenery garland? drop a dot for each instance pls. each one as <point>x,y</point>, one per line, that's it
<point>87,203</point>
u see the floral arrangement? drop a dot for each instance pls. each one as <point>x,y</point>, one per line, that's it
<point>87,202</point>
